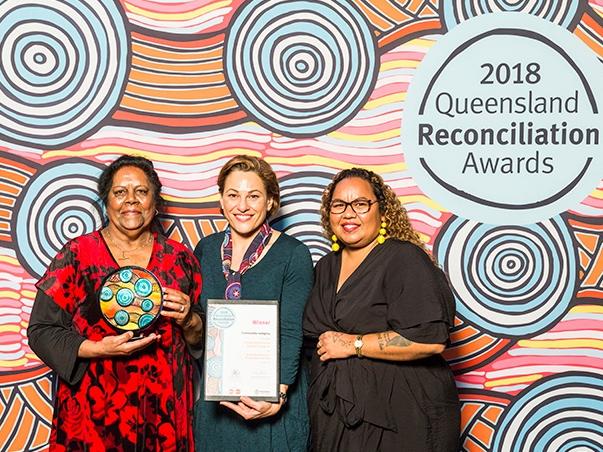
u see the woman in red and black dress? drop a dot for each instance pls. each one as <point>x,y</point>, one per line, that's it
<point>115,394</point>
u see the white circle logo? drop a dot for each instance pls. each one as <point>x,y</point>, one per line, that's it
<point>502,122</point>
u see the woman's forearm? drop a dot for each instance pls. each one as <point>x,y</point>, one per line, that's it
<point>387,345</point>
<point>392,346</point>
<point>193,330</point>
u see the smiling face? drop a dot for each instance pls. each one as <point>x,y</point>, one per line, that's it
<point>244,202</point>
<point>130,204</point>
<point>352,229</point>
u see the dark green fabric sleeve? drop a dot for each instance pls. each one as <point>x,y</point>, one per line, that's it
<point>297,284</point>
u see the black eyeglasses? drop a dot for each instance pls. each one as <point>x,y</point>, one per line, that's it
<point>359,205</point>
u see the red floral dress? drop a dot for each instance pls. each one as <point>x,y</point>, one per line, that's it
<point>142,402</point>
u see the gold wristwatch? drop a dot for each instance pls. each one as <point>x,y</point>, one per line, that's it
<point>358,345</point>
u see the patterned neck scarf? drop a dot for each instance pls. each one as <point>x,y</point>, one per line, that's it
<point>233,278</point>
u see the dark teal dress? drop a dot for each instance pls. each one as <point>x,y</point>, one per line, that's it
<point>285,273</point>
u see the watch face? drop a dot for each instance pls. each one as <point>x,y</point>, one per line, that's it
<point>358,343</point>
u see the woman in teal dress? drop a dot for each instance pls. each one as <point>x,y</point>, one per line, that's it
<point>252,261</point>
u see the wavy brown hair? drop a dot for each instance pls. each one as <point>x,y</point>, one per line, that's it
<point>258,166</point>
<point>390,207</point>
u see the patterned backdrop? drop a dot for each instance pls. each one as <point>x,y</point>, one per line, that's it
<point>313,87</point>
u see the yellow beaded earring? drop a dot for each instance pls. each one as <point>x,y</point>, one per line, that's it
<point>334,245</point>
<point>382,232</point>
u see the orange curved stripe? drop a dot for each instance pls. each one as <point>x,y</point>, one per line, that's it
<point>202,95</point>
<point>12,415</point>
<point>16,164</point>
<point>23,376</point>
<point>13,176</point>
<point>392,13</point>
<point>594,45</point>
<point>192,44</point>
<point>42,436</point>
<point>373,17</point>
<point>24,431</point>
<point>415,28</point>
<point>178,68</point>
<point>479,343</point>
<point>177,109</point>
<point>175,55</point>
<point>214,120</point>
<point>33,396</point>
<point>196,211</point>
<point>482,432</point>
<point>463,334</point>
<point>478,360</point>
<point>9,189</point>
<point>137,75</point>
<point>590,293</point>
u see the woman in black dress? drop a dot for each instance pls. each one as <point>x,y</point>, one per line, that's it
<point>378,315</point>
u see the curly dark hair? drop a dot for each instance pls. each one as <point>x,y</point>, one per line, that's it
<point>390,207</point>
<point>261,168</point>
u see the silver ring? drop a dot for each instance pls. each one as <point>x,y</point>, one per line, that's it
<point>181,308</point>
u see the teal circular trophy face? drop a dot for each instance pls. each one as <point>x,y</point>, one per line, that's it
<point>124,297</point>
<point>131,299</point>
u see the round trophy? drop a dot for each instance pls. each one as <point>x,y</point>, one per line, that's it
<point>131,299</point>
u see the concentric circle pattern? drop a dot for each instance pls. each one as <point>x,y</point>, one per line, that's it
<point>59,204</point>
<point>560,12</point>
<point>299,215</point>
<point>510,281</point>
<point>301,68</point>
<point>64,65</point>
<point>560,413</point>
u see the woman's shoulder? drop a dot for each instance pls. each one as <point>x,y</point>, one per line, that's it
<point>403,249</point>
<point>286,241</point>
<point>210,241</point>
<point>295,248</point>
<point>84,242</point>
<point>290,249</point>
<point>212,238</point>
<point>326,261</point>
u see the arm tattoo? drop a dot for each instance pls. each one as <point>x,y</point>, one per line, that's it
<point>397,341</point>
<point>381,341</point>
<point>340,340</point>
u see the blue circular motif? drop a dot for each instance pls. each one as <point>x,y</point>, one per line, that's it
<point>122,318</point>
<point>560,12</point>
<point>106,294</point>
<point>146,305</point>
<point>510,281</point>
<point>125,275</point>
<point>143,287</point>
<point>124,297</point>
<point>58,204</point>
<point>145,320</point>
<point>558,413</point>
<point>299,215</point>
<point>51,98</point>
<point>300,67</point>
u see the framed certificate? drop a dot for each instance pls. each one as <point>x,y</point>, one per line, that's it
<point>242,350</point>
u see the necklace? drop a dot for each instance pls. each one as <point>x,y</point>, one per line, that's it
<point>123,252</point>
